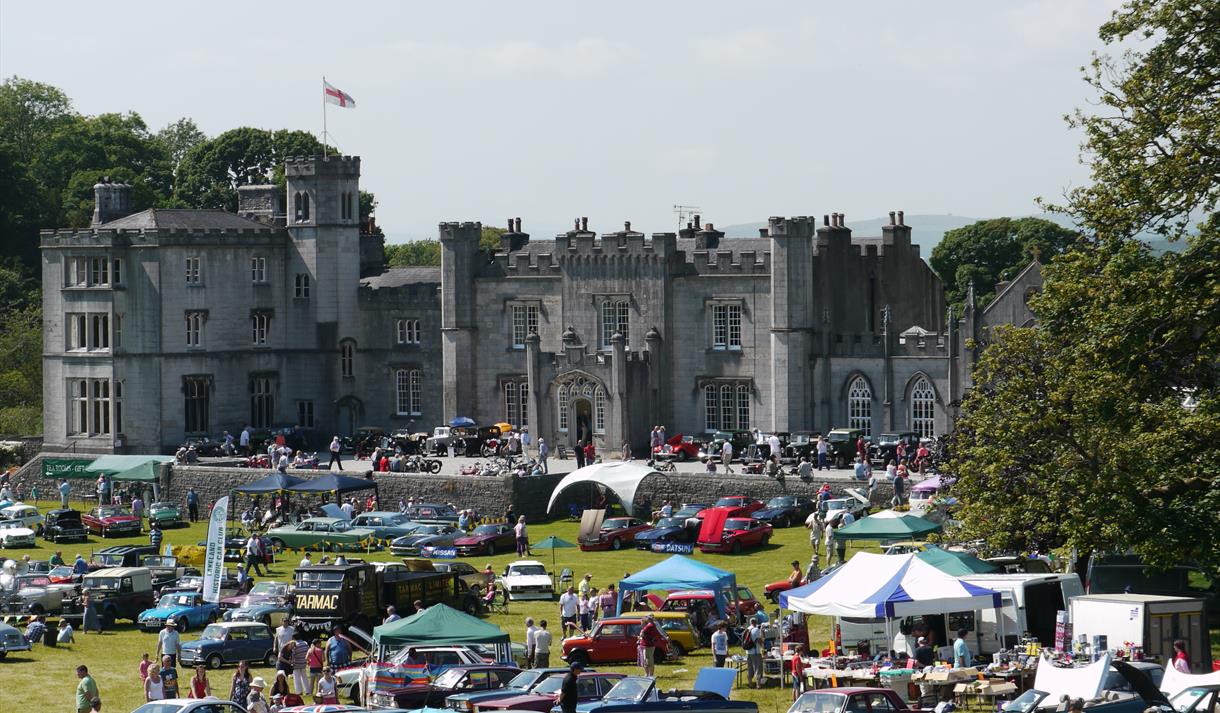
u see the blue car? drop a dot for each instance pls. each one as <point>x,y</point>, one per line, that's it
<point>385,525</point>
<point>424,536</point>
<point>785,510</point>
<point>230,642</point>
<point>667,529</point>
<point>271,614</point>
<point>187,609</point>
<point>521,684</point>
<point>710,694</point>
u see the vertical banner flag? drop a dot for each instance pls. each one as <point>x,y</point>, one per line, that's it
<point>214,564</point>
<point>333,95</point>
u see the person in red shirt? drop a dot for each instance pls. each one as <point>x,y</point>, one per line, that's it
<point>650,639</point>
<point>590,453</point>
<point>798,671</point>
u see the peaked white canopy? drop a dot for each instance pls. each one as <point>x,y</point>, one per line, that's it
<point>620,477</point>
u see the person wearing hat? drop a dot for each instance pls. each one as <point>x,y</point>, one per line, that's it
<point>168,641</point>
<point>568,694</point>
<point>255,703</point>
<point>924,653</point>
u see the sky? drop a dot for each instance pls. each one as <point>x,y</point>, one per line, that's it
<point>616,111</point>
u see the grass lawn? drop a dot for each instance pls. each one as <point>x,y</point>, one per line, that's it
<point>45,677</point>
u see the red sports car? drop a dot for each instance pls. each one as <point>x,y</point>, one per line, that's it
<point>111,520</point>
<point>700,604</point>
<point>734,506</point>
<point>487,540</point>
<point>615,533</point>
<point>679,447</point>
<point>736,534</point>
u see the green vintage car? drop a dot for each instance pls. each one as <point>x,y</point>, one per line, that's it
<point>330,533</point>
<point>165,515</point>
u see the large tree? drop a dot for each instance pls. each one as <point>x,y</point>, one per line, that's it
<point>211,171</point>
<point>983,253</point>
<point>1094,431</point>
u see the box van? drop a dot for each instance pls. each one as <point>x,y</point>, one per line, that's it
<point>1115,574</point>
<point>1030,602</point>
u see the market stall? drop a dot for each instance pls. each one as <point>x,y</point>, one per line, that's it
<point>440,625</point>
<point>333,483</point>
<point>887,525</point>
<point>619,477</point>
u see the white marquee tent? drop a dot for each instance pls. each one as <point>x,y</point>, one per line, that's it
<point>620,477</point>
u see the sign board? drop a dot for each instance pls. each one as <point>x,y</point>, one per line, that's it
<point>66,468</point>
<point>446,553</point>
<point>214,561</point>
<point>673,548</point>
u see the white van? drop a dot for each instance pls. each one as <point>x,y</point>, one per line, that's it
<point>1030,602</point>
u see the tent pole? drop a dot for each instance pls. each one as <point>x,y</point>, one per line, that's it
<point>889,635</point>
<point>999,613</point>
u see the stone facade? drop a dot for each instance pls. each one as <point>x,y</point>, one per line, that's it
<point>169,324</point>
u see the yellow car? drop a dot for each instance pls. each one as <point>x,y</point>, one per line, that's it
<point>677,626</point>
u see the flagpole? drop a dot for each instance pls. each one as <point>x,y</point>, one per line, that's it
<point>323,116</point>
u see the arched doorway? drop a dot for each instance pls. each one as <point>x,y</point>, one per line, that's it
<point>583,410</point>
<point>348,413</point>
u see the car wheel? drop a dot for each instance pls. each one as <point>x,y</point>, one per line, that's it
<point>766,540</point>
<point>269,659</point>
<point>3,653</point>
<point>37,610</point>
<point>675,650</point>
<point>578,657</point>
<point>491,549</point>
<point>616,544</point>
<point>277,544</point>
<point>213,617</point>
<point>183,625</point>
<point>215,661</point>
<point>737,548</point>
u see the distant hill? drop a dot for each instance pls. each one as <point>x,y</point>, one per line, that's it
<point>927,230</point>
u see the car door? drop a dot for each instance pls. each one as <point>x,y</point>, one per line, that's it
<point>609,643</point>
<point>258,644</point>
<point>880,703</point>
<point>236,646</point>
<point>506,539</point>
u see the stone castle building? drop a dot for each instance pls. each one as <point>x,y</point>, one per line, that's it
<point>166,324</point>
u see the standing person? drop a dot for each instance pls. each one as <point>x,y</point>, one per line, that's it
<point>169,677</point>
<point>823,450</point>
<point>726,456</point>
<point>543,451</point>
<point>192,504</point>
<point>87,696</point>
<point>335,447</point>
<point>542,646</point>
<point>530,632</point>
<point>626,450</point>
<point>284,633</point>
<point>569,692</point>
<point>254,554</point>
<point>961,651</point>
<point>773,447</point>
<point>315,661</point>
<point>871,477</point>
<point>64,491</point>
<point>608,601</point>
<point>751,642</point>
<point>569,611</point>
<point>798,671</point>
<point>338,652</point>
<point>327,691</point>
<point>168,642</point>
<point>720,645</point>
<point>300,662</point>
<point>154,534</point>
<point>201,687</point>
<point>586,611</point>
<point>523,539</point>
<point>650,638</point>
<point>239,691</point>
<point>899,489</point>
<point>816,527</point>
<point>840,543</point>
<point>244,441</point>
<point>1181,659</point>
<point>154,688</point>
<point>137,508</point>
<point>580,455</point>
<point>91,621</point>
<point>590,453</point>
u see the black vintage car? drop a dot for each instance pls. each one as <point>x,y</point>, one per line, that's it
<point>885,447</point>
<point>740,440</point>
<point>63,526</point>
<point>843,445</point>
<point>801,444</point>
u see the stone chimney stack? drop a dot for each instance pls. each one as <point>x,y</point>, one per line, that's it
<point>111,201</point>
<point>513,239</point>
<point>263,202</point>
<point>897,233</point>
<point>708,238</point>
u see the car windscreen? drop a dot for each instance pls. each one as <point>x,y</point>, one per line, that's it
<point>487,530</point>
<point>213,632</point>
<point>101,583</point>
<point>549,686</point>
<point>817,703</point>
<point>112,512</point>
<point>527,569</point>
<point>780,502</point>
<point>449,679</point>
<point>273,588</point>
<point>728,502</point>
<point>524,680</point>
<point>1184,700</point>
<point>628,689</point>
<point>325,581</point>
<point>737,524</point>
<point>39,581</point>
<point>671,522</point>
<point>616,523</point>
<point>108,560</point>
<point>430,530</point>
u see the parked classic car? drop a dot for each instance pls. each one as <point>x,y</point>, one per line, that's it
<point>679,448</point>
<point>431,514</point>
<point>37,594</point>
<point>11,640</point>
<point>843,445</point>
<point>230,642</point>
<point>13,533</point>
<point>614,534</point>
<point>165,514</point>
<point>487,540</point>
<point>739,439</point>
<point>613,640</point>
<point>385,525</point>
<point>186,609</point>
<point>263,592</point>
<point>855,503</point>
<point>527,579</point>
<point>700,605</point>
<point>468,576</point>
<point>801,444</point>
<point>786,510</point>
<point>165,569</point>
<point>666,529</point>
<point>62,574</point>
<point>63,526</point>
<point>885,447</point>
<point>110,520</point>
<point>1197,699</point>
<point>329,532</point>
<point>455,680</point>
<point>523,682</point>
<point>639,694</point>
<point>120,556</point>
<point>194,583</point>
<point>424,536</point>
<point>735,506</point>
<point>683,636</point>
<point>590,686</point>
<point>119,592</point>
<point>738,534</point>
<point>270,614</point>
<point>849,700</point>
<point>27,515</point>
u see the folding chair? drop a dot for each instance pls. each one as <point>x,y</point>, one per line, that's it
<point>565,578</point>
<point>494,603</point>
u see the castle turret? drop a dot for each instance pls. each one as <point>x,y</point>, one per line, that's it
<point>791,321</point>
<point>323,218</point>
<point>459,252</point>
<point>111,201</point>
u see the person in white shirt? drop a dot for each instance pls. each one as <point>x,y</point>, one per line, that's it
<point>667,510</point>
<point>305,561</point>
<point>773,444</point>
<point>569,611</point>
<point>816,529</point>
<point>347,509</point>
<point>720,645</point>
<point>726,456</point>
<point>283,634</point>
<point>542,646</point>
<point>530,631</point>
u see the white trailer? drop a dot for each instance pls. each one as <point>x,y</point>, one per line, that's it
<point>1152,621</point>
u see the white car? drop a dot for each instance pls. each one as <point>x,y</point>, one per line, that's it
<point>527,579</point>
<point>11,640</point>
<point>27,515</point>
<point>348,680</point>
<point>191,705</point>
<point>14,534</point>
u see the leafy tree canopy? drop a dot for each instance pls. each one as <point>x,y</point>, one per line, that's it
<point>212,170</point>
<point>428,252</point>
<point>1094,430</point>
<point>989,251</point>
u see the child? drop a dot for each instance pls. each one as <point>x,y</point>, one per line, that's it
<point>145,663</point>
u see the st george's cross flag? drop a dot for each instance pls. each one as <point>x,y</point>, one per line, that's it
<point>331,95</point>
